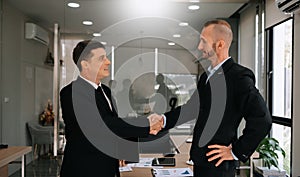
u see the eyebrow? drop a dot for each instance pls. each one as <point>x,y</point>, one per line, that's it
<point>203,38</point>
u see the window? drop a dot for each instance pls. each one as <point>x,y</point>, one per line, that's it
<point>282,70</point>
<point>280,66</point>
<point>283,135</point>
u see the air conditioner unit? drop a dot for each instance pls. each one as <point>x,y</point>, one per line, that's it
<point>288,6</point>
<point>33,31</point>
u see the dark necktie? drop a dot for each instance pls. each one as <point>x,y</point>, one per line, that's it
<point>100,89</point>
<point>207,76</point>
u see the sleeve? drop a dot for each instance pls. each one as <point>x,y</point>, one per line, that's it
<point>126,127</point>
<point>186,112</point>
<point>255,112</point>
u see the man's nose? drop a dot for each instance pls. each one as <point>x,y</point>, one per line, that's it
<point>200,46</point>
<point>108,61</point>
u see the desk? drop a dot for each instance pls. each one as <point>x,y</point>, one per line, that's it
<point>146,172</point>
<point>11,154</point>
<point>181,158</point>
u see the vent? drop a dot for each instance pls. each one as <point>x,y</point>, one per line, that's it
<point>33,31</point>
<point>288,6</point>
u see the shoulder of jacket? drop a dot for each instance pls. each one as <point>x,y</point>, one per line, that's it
<point>239,69</point>
<point>66,89</point>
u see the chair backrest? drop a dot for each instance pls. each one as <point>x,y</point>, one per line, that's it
<point>40,134</point>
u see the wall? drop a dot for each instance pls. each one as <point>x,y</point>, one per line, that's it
<point>247,40</point>
<point>246,44</point>
<point>296,100</point>
<point>20,59</point>
<point>1,8</point>
<point>273,15</point>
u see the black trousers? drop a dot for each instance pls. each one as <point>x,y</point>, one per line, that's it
<point>226,170</point>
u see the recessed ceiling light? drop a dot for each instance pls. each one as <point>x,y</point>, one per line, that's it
<point>183,24</point>
<point>104,43</point>
<point>96,34</point>
<point>87,22</point>
<point>194,7</point>
<point>171,43</point>
<point>73,4</point>
<point>194,1</point>
<point>176,35</point>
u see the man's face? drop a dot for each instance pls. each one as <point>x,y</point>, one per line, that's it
<point>206,44</point>
<point>98,65</point>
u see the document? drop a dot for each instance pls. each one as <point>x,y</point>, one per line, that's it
<point>125,168</point>
<point>143,162</point>
<point>174,172</point>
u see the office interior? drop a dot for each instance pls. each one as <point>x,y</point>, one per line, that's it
<point>265,40</point>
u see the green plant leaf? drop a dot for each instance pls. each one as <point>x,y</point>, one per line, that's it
<point>268,149</point>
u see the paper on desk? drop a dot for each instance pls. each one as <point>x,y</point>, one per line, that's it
<point>174,172</point>
<point>143,162</point>
<point>125,168</point>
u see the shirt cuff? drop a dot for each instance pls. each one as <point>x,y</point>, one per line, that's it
<point>235,158</point>
<point>165,120</point>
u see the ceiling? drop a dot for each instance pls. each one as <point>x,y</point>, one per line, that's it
<point>127,21</point>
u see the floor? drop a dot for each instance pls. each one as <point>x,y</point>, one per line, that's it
<point>42,167</point>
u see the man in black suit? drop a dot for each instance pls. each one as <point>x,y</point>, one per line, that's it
<point>94,132</point>
<point>225,94</point>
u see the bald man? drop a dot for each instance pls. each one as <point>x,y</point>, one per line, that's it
<point>225,94</point>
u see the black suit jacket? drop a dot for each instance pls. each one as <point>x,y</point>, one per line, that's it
<point>241,100</point>
<point>81,157</point>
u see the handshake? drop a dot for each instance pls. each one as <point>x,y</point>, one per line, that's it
<point>156,123</point>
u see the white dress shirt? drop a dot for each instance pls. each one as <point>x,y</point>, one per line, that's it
<point>96,86</point>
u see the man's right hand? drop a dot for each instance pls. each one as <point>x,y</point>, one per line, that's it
<point>156,123</point>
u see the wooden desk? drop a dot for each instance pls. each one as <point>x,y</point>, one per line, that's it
<point>11,154</point>
<point>181,158</point>
<point>146,172</point>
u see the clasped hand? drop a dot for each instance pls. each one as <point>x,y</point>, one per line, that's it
<point>156,123</point>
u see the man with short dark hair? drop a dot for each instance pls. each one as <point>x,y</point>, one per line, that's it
<point>81,156</point>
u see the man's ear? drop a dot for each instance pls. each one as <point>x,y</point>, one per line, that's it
<point>84,64</point>
<point>220,44</point>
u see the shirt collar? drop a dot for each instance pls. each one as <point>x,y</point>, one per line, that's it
<point>90,82</point>
<point>213,70</point>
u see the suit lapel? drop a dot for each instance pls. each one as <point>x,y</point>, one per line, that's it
<point>222,70</point>
<point>101,100</point>
<point>108,94</point>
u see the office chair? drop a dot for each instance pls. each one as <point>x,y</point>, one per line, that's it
<point>40,135</point>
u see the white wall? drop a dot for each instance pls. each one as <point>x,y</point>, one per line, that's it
<point>296,100</point>
<point>1,9</point>
<point>20,59</point>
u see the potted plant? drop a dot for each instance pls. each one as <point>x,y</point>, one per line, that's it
<point>268,149</point>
